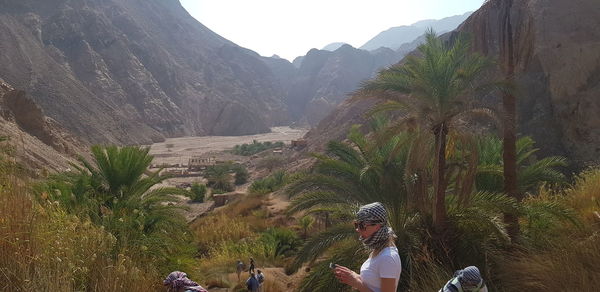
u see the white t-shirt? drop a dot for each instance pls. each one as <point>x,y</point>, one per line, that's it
<point>385,265</point>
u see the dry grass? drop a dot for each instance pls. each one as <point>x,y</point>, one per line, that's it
<point>230,234</point>
<point>572,262</point>
<point>214,229</point>
<point>45,249</point>
<point>245,206</point>
<point>428,276</point>
<point>584,197</point>
<point>572,267</point>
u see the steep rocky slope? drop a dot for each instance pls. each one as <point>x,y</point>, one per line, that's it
<point>557,51</point>
<point>324,79</point>
<point>316,83</point>
<point>36,141</point>
<point>129,71</point>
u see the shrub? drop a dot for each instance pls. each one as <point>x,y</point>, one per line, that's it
<point>219,177</point>
<point>255,147</point>
<point>271,162</point>
<point>198,192</point>
<point>279,242</point>
<point>241,175</point>
<point>269,184</point>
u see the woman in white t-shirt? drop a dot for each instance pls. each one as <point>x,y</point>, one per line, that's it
<point>381,271</point>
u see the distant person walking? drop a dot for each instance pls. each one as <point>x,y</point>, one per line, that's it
<point>261,279</point>
<point>466,280</point>
<point>252,283</point>
<point>239,268</point>
<point>252,265</point>
<point>179,282</point>
<point>381,271</point>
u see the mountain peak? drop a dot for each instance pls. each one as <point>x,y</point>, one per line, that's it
<point>395,37</point>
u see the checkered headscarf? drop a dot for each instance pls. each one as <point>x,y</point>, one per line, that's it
<point>375,213</point>
<point>179,279</point>
<point>470,277</point>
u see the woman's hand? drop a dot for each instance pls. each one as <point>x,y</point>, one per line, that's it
<point>348,277</point>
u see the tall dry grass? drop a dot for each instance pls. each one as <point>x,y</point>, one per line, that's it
<point>572,261</point>
<point>46,249</point>
<point>215,229</point>
<point>574,266</point>
<point>584,197</point>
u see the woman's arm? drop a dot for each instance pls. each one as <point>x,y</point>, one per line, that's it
<point>388,285</point>
<point>350,278</point>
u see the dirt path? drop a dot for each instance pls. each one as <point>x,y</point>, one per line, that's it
<point>275,280</point>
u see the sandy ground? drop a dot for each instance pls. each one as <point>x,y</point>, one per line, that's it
<point>181,149</point>
<point>275,280</point>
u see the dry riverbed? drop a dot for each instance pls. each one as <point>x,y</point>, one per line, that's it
<point>179,150</point>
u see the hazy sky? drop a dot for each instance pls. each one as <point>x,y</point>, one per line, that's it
<point>289,28</point>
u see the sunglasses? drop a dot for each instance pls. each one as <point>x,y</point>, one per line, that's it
<point>361,225</point>
<point>473,288</point>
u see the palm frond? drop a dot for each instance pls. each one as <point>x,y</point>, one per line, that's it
<point>318,244</point>
<point>309,200</point>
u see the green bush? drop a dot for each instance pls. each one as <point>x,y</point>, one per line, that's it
<point>198,192</point>
<point>280,242</point>
<point>219,177</point>
<point>255,147</point>
<point>269,184</point>
<point>218,191</point>
<point>241,175</point>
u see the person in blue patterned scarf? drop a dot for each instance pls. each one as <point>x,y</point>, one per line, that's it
<point>466,280</point>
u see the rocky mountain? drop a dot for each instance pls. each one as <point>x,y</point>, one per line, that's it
<point>397,36</point>
<point>130,71</point>
<point>316,83</point>
<point>333,46</point>
<point>557,58</point>
<point>322,79</point>
<point>36,141</point>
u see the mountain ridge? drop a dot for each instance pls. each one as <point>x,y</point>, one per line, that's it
<point>130,72</point>
<point>394,37</point>
<point>557,65</point>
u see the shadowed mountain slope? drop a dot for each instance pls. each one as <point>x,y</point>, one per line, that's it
<point>557,52</point>
<point>133,71</point>
<point>324,79</point>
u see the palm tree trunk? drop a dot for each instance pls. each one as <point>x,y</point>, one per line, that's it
<point>440,219</point>
<point>509,104</point>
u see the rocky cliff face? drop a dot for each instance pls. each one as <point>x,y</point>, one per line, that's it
<point>557,58</point>
<point>132,71</point>
<point>557,51</point>
<point>37,141</point>
<point>324,79</point>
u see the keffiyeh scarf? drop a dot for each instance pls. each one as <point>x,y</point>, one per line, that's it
<point>375,213</point>
<point>177,280</point>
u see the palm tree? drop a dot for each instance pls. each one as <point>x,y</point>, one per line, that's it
<point>219,177</point>
<point>509,123</point>
<point>355,173</point>
<point>439,88</point>
<point>306,222</point>
<point>117,191</point>
<point>532,173</point>
<point>394,170</point>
